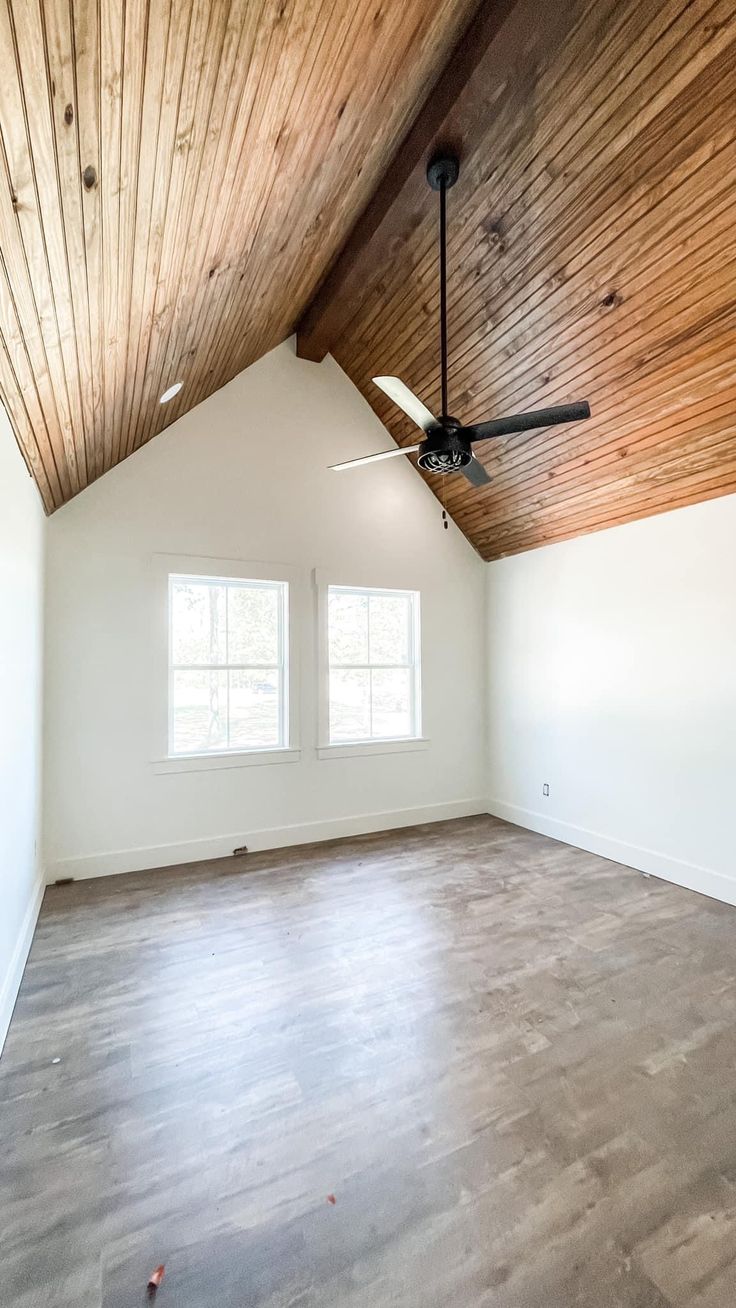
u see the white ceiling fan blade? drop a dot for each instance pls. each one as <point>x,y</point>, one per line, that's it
<point>373,458</point>
<point>407,400</point>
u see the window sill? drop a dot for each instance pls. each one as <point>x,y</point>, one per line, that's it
<point>364,748</point>
<point>242,759</point>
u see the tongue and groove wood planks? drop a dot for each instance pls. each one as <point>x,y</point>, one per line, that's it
<point>175,179</point>
<point>590,256</point>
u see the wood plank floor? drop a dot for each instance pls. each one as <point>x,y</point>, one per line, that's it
<point>512,1063</point>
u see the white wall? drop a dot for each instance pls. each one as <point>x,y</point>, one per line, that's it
<point>22,526</point>
<point>245,476</point>
<point>612,676</point>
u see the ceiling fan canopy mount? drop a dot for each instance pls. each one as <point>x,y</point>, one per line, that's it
<point>443,170</point>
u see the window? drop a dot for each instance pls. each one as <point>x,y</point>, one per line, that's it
<point>228,682</point>
<point>373,642</point>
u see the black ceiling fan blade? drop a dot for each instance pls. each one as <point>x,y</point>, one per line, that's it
<point>475,473</point>
<point>483,431</point>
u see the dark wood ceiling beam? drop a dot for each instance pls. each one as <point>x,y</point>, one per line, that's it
<point>388,215</point>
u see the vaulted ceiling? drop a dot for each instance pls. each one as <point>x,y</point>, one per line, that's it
<point>175,177</point>
<point>178,176</point>
<point>592,255</point>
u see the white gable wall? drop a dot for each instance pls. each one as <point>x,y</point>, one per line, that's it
<point>245,476</point>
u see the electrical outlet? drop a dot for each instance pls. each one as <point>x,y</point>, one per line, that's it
<point>545,788</point>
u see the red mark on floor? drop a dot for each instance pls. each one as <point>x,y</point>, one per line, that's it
<point>155,1279</point>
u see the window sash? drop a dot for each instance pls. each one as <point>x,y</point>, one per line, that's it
<point>281,588</point>
<point>224,667</point>
<point>368,667</point>
<point>412,664</point>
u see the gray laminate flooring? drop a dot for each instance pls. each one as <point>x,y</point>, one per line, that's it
<point>513,1065</point>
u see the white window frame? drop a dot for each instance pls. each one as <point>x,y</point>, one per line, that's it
<point>202,570</point>
<point>327,749</point>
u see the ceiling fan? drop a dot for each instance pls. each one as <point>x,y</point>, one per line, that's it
<point>448,444</point>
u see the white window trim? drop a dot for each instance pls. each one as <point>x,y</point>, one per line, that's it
<point>163,567</point>
<point>226,759</point>
<point>358,748</point>
<point>323,578</point>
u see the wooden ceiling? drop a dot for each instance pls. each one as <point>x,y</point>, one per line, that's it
<point>592,255</point>
<point>175,178</point>
<point>183,181</point>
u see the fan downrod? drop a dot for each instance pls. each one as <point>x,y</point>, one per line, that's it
<point>443,169</point>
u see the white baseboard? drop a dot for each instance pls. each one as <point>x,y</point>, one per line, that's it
<point>689,875</point>
<point>304,833</point>
<point>14,974</point>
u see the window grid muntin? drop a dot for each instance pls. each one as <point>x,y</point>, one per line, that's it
<point>230,583</point>
<point>412,663</point>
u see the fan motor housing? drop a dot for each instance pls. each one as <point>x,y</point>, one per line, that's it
<point>445,449</point>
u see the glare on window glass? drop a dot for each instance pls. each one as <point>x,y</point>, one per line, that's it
<point>389,629</point>
<point>198,624</point>
<point>348,627</point>
<point>350,703</point>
